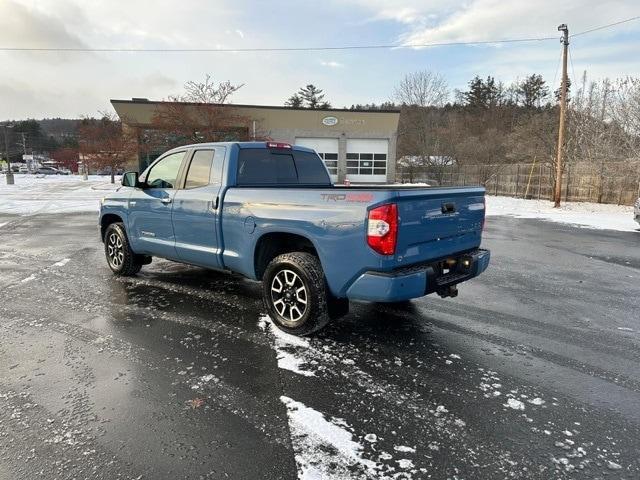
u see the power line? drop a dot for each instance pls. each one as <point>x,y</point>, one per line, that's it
<point>609,25</point>
<point>302,49</point>
<point>268,49</point>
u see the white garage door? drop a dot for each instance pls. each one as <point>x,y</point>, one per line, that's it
<point>327,148</point>
<point>367,160</point>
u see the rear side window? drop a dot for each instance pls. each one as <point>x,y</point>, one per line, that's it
<point>199,169</point>
<point>310,168</point>
<point>261,166</point>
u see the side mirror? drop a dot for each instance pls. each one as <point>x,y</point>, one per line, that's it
<point>130,179</point>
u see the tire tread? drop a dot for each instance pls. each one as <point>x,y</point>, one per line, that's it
<point>131,263</point>
<point>309,264</point>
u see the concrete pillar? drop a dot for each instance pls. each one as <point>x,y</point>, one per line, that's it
<point>391,159</point>
<point>342,158</point>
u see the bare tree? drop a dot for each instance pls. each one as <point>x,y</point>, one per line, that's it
<point>207,91</point>
<point>626,113</point>
<point>105,144</point>
<point>422,89</point>
<point>201,114</point>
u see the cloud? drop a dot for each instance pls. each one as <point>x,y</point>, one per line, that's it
<point>495,19</point>
<point>331,64</point>
<point>409,12</point>
<point>469,20</point>
<point>25,27</point>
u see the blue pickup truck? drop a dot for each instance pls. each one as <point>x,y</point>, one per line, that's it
<point>268,211</point>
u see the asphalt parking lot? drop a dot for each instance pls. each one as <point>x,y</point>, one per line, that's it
<point>532,372</point>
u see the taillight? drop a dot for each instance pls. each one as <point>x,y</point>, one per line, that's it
<point>382,229</point>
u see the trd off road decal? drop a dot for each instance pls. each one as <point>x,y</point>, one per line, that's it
<point>347,197</point>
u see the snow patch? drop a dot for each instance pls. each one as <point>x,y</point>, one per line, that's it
<point>285,347</point>
<point>29,278</point>
<point>405,449</point>
<point>289,361</point>
<point>314,439</point>
<point>371,437</point>
<point>514,404</point>
<point>54,194</point>
<point>613,465</point>
<point>582,214</point>
<point>536,401</point>
<point>62,262</point>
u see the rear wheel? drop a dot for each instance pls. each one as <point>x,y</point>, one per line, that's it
<point>295,294</point>
<point>121,259</point>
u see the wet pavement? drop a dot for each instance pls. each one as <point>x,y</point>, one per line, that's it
<point>532,372</point>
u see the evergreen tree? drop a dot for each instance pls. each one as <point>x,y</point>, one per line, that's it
<point>483,94</point>
<point>556,92</point>
<point>533,91</point>
<point>313,97</point>
<point>294,101</point>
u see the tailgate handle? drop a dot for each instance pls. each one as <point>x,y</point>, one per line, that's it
<point>448,207</point>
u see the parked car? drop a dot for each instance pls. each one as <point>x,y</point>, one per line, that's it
<point>269,212</point>
<point>107,171</point>
<point>636,210</point>
<point>23,169</point>
<point>49,171</point>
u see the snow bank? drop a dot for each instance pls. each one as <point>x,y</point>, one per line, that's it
<point>39,194</point>
<point>582,214</point>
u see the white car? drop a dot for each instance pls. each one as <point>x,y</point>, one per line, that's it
<point>636,210</point>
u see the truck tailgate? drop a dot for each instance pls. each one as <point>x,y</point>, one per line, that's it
<point>437,222</point>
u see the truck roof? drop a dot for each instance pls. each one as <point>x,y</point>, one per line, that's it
<point>256,144</point>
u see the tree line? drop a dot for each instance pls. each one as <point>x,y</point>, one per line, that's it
<point>487,123</point>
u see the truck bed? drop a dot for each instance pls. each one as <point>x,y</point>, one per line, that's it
<point>434,222</point>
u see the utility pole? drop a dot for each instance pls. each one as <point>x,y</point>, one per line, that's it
<point>6,147</point>
<point>563,107</point>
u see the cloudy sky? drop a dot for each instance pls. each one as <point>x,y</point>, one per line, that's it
<point>39,84</point>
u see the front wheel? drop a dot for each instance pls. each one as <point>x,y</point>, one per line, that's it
<point>121,259</point>
<point>295,294</point>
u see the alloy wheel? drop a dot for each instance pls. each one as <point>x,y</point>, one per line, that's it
<point>115,250</point>
<point>289,296</point>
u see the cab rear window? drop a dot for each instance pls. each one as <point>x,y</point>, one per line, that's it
<point>261,166</point>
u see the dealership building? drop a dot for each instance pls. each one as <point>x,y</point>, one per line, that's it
<point>356,145</point>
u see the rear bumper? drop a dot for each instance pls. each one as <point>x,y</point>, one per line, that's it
<point>417,281</point>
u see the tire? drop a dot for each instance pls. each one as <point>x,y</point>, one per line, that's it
<point>295,294</point>
<point>120,258</point>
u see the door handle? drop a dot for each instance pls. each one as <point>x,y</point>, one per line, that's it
<point>166,201</point>
<point>449,207</point>
<point>215,203</point>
